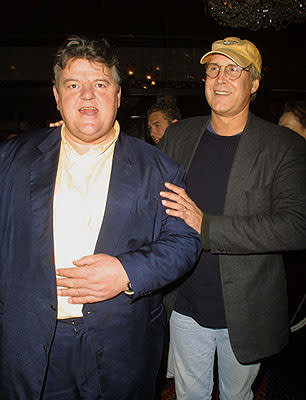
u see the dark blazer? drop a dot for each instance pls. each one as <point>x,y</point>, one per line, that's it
<point>154,248</point>
<point>264,215</point>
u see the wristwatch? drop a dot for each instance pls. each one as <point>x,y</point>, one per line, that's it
<point>130,290</point>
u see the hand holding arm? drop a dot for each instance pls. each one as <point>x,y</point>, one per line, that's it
<point>180,205</point>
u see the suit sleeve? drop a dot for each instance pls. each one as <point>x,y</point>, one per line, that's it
<point>281,226</point>
<point>172,255</point>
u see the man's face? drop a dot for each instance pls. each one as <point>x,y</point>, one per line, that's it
<point>157,124</point>
<point>229,98</point>
<point>88,100</point>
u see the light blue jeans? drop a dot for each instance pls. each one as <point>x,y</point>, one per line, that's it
<point>192,355</point>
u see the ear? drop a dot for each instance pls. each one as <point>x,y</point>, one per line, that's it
<point>255,86</point>
<point>55,93</point>
<point>119,97</point>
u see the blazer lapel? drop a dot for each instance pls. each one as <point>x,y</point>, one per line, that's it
<point>43,171</point>
<point>244,161</point>
<point>122,194</point>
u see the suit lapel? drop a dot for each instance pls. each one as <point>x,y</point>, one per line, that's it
<point>122,194</point>
<point>243,163</point>
<point>43,171</point>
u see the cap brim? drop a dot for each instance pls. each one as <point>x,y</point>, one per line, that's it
<point>206,57</point>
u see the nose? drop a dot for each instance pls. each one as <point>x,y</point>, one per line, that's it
<point>221,76</point>
<point>87,92</point>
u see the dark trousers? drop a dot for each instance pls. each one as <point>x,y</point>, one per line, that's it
<point>72,372</point>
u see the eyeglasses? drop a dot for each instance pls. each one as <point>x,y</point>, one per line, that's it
<point>231,71</point>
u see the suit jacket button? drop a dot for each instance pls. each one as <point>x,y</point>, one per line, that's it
<point>46,348</point>
<point>53,307</point>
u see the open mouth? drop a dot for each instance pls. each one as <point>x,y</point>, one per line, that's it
<point>88,111</point>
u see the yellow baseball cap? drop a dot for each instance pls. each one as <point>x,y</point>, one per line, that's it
<point>242,52</point>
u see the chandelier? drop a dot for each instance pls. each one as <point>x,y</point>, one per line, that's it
<point>257,14</point>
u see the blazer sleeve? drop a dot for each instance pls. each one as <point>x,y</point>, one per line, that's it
<point>165,260</point>
<point>275,219</point>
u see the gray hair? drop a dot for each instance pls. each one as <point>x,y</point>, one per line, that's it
<point>254,74</point>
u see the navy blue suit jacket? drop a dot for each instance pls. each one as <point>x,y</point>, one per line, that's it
<point>155,250</point>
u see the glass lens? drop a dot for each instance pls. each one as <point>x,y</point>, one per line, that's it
<point>233,71</point>
<point>212,70</point>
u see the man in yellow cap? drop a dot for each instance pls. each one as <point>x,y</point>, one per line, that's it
<point>247,195</point>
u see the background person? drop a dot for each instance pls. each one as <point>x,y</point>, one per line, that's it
<point>247,186</point>
<point>285,371</point>
<point>294,117</point>
<point>85,245</point>
<point>159,116</point>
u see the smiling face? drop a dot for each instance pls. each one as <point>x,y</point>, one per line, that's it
<point>88,99</point>
<point>228,98</point>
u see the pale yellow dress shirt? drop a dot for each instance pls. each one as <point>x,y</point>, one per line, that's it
<point>80,197</point>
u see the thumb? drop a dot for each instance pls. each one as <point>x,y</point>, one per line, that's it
<point>83,261</point>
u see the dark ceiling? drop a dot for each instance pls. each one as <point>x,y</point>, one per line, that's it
<point>136,23</point>
<point>156,23</point>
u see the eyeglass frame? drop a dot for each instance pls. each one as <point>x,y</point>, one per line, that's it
<point>225,71</point>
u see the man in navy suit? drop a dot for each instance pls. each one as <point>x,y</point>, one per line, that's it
<point>85,245</point>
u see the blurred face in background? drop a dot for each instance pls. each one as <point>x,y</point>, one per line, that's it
<point>157,125</point>
<point>289,120</point>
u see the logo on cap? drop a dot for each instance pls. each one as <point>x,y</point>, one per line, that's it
<point>229,41</point>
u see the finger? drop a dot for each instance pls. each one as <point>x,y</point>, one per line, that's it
<point>175,213</point>
<point>174,206</point>
<point>86,260</point>
<point>72,272</point>
<point>174,188</point>
<point>85,299</point>
<point>172,196</point>
<point>179,191</point>
<point>75,292</point>
<point>79,292</point>
<point>68,292</point>
<point>71,283</point>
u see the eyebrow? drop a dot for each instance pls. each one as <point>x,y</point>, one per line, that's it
<point>78,80</point>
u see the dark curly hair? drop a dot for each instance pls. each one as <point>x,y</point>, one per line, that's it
<point>168,108</point>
